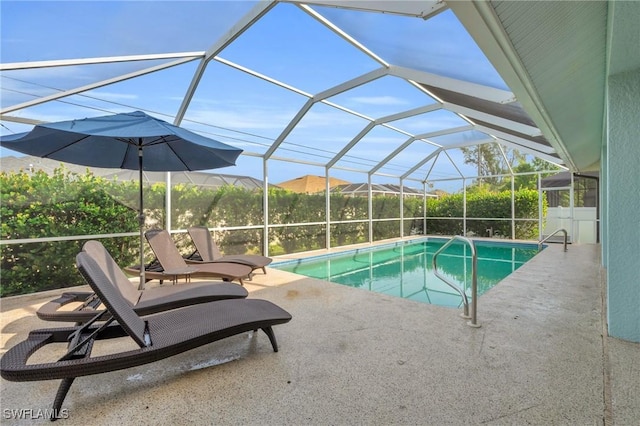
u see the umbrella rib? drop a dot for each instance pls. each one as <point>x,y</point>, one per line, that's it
<point>159,141</point>
<point>130,142</point>
<point>179,157</point>
<point>67,145</point>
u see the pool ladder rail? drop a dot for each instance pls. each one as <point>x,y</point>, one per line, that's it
<point>474,280</point>
<point>551,235</point>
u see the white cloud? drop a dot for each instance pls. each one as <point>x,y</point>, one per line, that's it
<point>248,119</point>
<point>111,96</point>
<point>378,100</point>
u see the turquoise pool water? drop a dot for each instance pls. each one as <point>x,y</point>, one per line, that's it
<point>405,269</point>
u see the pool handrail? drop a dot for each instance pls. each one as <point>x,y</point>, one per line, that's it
<point>474,279</point>
<point>551,235</point>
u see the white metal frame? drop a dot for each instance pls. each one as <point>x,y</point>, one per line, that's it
<point>525,142</point>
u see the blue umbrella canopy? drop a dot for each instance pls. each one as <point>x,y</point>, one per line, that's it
<point>133,141</point>
<point>114,141</point>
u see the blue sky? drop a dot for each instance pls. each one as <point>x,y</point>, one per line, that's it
<point>287,45</point>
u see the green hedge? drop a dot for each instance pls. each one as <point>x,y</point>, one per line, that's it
<point>482,205</point>
<point>65,204</point>
<point>38,205</point>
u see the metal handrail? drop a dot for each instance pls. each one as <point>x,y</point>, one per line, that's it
<point>474,279</point>
<point>551,235</point>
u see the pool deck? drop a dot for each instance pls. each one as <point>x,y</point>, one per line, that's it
<point>354,357</point>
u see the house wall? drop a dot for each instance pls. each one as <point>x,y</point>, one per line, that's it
<point>621,235</point>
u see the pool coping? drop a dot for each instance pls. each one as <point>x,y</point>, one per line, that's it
<point>316,255</point>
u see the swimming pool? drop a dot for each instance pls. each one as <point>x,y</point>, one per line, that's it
<point>405,269</point>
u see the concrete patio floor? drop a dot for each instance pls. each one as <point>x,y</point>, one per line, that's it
<point>354,357</point>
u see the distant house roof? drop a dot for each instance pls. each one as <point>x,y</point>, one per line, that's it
<point>564,179</point>
<point>310,184</point>
<point>203,179</point>
<point>30,163</point>
<point>210,180</point>
<point>362,189</point>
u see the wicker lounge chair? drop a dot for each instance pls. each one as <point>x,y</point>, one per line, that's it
<point>174,265</point>
<point>144,302</point>
<point>207,251</point>
<point>158,335</point>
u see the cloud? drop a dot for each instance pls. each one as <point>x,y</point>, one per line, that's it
<point>111,96</point>
<point>378,100</point>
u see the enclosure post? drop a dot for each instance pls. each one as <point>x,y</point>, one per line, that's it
<point>424,208</point>
<point>327,208</point>
<point>464,207</point>
<point>265,207</point>
<point>141,218</point>
<point>401,208</point>
<point>539,206</point>
<point>167,201</point>
<point>572,224</point>
<point>370,208</point>
<point>513,209</point>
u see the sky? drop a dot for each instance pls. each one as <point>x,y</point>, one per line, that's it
<point>287,45</point>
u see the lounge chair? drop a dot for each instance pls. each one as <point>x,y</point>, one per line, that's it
<point>144,302</point>
<point>207,251</point>
<point>158,335</point>
<point>174,265</point>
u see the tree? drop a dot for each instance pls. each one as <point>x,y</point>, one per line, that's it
<point>529,181</point>
<point>491,160</point>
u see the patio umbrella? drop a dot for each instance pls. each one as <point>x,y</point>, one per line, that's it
<point>134,141</point>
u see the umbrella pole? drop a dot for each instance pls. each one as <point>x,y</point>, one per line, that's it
<point>141,221</point>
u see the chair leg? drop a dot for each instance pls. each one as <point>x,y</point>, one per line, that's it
<point>79,346</point>
<point>63,389</point>
<point>272,338</point>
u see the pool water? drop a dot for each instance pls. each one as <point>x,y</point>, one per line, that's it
<point>406,269</point>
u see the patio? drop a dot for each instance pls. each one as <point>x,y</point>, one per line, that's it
<point>355,357</point>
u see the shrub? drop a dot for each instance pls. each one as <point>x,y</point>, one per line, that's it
<point>485,205</point>
<point>65,204</point>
